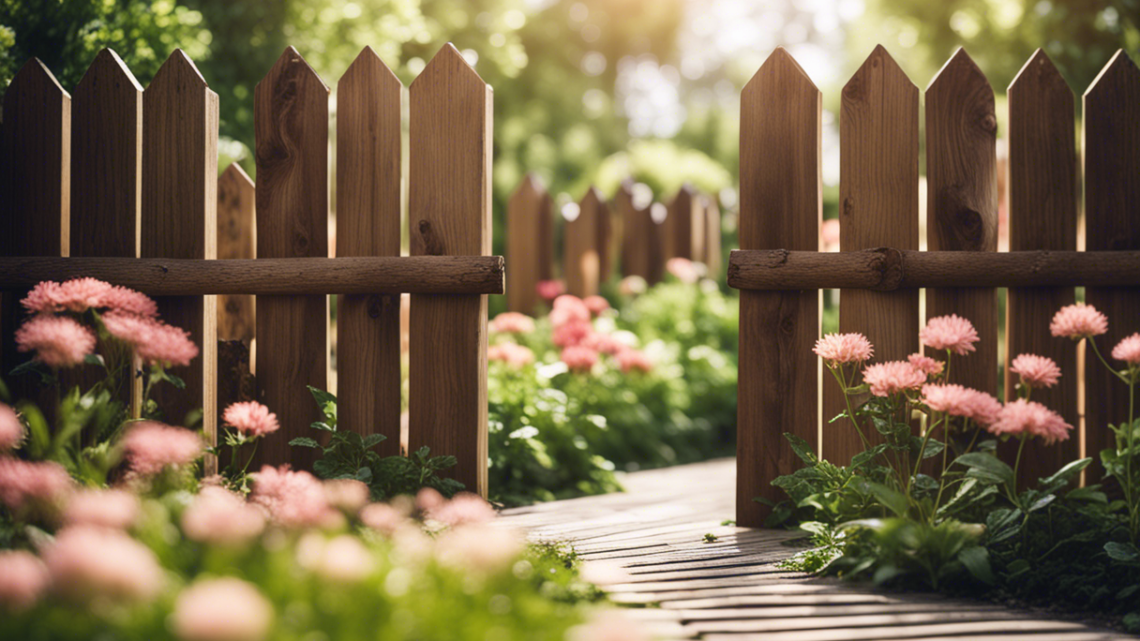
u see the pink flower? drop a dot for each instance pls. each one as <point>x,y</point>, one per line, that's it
<point>843,348</point>
<point>346,495</point>
<point>1128,350</point>
<point>114,509</point>
<point>1078,321</point>
<point>632,286</point>
<point>512,323</point>
<point>949,332</point>
<point>683,270</point>
<point>219,517</point>
<point>512,354</point>
<point>579,358</point>
<point>88,562</point>
<point>225,609</point>
<point>45,298</point>
<point>608,626</point>
<point>893,377</point>
<point>1029,417</point>
<point>464,509</point>
<point>596,304</point>
<point>251,418</point>
<point>571,333</point>
<point>153,340</point>
<point>569,309</point>
<point>956,400</point>
<point>26,483</point>
<point>480,548</point>
<point>1036,371</point>
<point>128,301</point>
<point>383,518</point>
<point>550,289</point>
<point>925,364</point>
<point>429,499</point>
<point>11,429</point>
<point>23,580</point>
<point>342,559</point>
<point>81,294</point>
<point>150,447</point>
<point>632,359</point>
<point>293,499</point>
<point>58,341</point>
<point>604,343</point>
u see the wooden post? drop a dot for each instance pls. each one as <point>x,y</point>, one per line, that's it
<point>635,230</point>
<point>450,209</point>
<point>368,224</point>
<point>236,239</point>
<point>1112,222</point>
<point>291,122</point>
<point>655,217</point>
<point>35,190</point>
<point>712,236</point>
<point>1042,215</point>
<point>684,227</point>
<point>584,242</point>
<point>530,244</point>
<point>878,195</point>
<point>179,220</point>
<point>780,207</point>
<point>961,168</point>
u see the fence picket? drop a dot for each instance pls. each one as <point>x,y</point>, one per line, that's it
<point>530,243</point>
<point>712,250</point>
<point>684,227</point>
<point>178,220</point>
<point>584,243</point>
<point>878,195</point>
<point>291,123</point>
<point>1112,222</point>
<point>236,239</point>
<point>961,168</point>
<point>1042,215</point>
<point>450,209</point>
<point>780,207</point>
<point>368,224</point>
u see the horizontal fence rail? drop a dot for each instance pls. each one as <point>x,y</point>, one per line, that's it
<point>886,269</point>
<point>270,276</point>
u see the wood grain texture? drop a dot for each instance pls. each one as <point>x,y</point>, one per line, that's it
<point>106,160</point>
<point>961,170</point>
<point>236,240</point>
<point>291,123</point>
<point>35,191</point>
<point>713,250</point>
<point>1042,215</point>
<point>1112,223</point>
<point>684,227</point>
<point>179,220</point>
<point>530,243</point>
<point>780,206</point>
<point>271,276</point>
<point>584,243</point>
<point>635,258</point>
<point>368,224</point>
<point>878,195</point>
<point>450,209</point>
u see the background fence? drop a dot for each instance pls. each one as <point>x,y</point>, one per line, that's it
<point>622,236</point>
<point>879,147</point>
<point>115,171</point>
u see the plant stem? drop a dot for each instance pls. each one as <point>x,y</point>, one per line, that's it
<point>1017,464</point>
<point>843,387</point>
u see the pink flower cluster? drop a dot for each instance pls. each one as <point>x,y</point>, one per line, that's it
<point>89,562</point>
<point>683,270</point>
<point>220,517</point>
<point>1022,417</point>
<point>951,332</point>
<point>251,418</point>
<point>27,484</point>
<point>293,499</point>
<point>1078,321</point>
<point>579,358</point>
<point>513,354</point>
<point>965,402</point>
<point>150,447</point>
<point>836,349</point>
<point>23,580</point>
<point>153,340</point>
<point>82,294</point>
<point>114,509</point>
<point>463,509</point>
<point>1036,371</point>
<point>581,344</point>
<point>11,429</point>
<point>550,289</point>
<point>224,609</point>
<point>58,341</point>
<point>1128,350</point>
<point>893,377</point>
<point>511,323</point>
<point>925,364</point>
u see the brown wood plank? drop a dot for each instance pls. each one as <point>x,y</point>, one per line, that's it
<point>35,192</point>
<point>712,250</point>
<point>236,240</point>
<point>450,209</point>
<point>684,228</point>
<point>636,259</point>
<point>874,633</point>
<point>291,122</point>
<point>961,169</point>
<point>780,207</point>
<point>1042,215</point>
<point>1112,222</point>
<point>878,194</point>
<point>786,611</point>
<point>530,242</point>
<point>179,220</point>
<point>368,224</point>
<point>583,244</point>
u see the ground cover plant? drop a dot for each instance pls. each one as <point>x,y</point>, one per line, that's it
<point>968,525</point>
<point>594,388</point>
<point>109,528</point>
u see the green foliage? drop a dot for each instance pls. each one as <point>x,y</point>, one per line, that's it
<point>900,550</point>
<point>664,166</point>
<point>348,455</point>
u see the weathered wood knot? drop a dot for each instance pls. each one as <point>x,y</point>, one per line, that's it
<point>432,246</point>
<point>888,262</point>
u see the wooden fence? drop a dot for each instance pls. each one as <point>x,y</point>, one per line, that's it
<point>780,271</point>
<point>121,184</point>
<point>603,238</point>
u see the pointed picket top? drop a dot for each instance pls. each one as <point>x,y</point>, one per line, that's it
<point>1120,71</point>
<point>36,78</point>
<point>592,196</point>
<point>291,64</point>
<point>234,173</point>
<point>177,72</point>
<point>779,68</point>
<point>447,62</point>
<point>530,185</point>
<point>369,68</point>
<point>959,73</point>
<point>1038,74</point>
<point>107,67</point>
<point>879,74</point>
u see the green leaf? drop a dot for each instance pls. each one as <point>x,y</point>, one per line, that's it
<point>322,397</point>
<point>1089,493</point>
<point>891,498</point>
<point>977,562</point>
<point>1123,552</point>
<point>304,441</point>
<point>324,427</point>
<point>802,449</point>
<point>988,467</point>
<point>1042,502</point>
<point>95,359</point>
<point>372,440</point>
<point>1068,471</point>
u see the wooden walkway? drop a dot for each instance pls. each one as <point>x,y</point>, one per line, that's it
<point>646,547</point>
